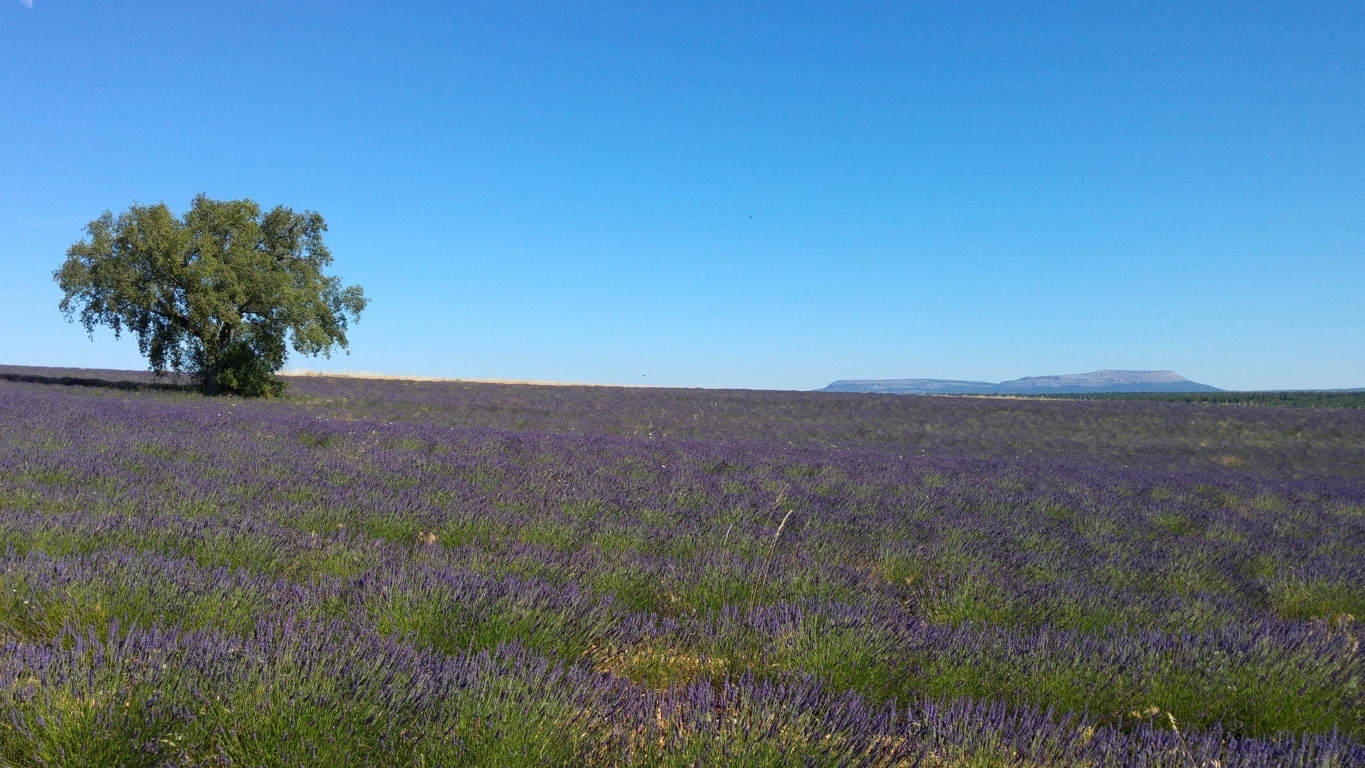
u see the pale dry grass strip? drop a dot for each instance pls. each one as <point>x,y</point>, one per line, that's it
<point>307,373</point>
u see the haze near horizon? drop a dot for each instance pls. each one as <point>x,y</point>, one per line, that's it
<point>730,195</point>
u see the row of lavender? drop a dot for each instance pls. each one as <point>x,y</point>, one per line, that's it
<point>1310,671</point>
<point>783,603</point>
<point>336,694</point>
<point>1268,441</point>
<point>1264,441</point>
<point>292,693</point>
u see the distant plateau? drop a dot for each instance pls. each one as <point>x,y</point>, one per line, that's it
<point>1070,383</point>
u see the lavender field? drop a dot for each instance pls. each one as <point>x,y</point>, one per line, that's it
<point>393,573</point>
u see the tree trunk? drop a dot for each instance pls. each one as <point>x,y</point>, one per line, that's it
<point>222,339</point>
<point>209,382</point>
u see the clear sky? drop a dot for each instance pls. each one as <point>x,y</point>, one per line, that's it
<point>730,194</point>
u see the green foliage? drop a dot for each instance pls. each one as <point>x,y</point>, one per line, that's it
<point>218,292</point>
<point>248,368</point>
<point>1297,598</point>
<point>843,658</point>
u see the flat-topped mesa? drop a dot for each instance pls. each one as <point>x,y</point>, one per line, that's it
<point>1100,379</point>
<point>898,386</point>
<point>1070,383</point>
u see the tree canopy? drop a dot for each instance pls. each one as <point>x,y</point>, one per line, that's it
<point>218,292</point>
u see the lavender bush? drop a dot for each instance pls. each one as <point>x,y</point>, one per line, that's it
<point>398,573</point>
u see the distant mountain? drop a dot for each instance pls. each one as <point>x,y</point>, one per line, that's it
<point>1071,383</point>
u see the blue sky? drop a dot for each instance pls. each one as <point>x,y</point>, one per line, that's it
<point>730,194</point>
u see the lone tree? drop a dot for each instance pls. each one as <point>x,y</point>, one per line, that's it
<point>215,292</point>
